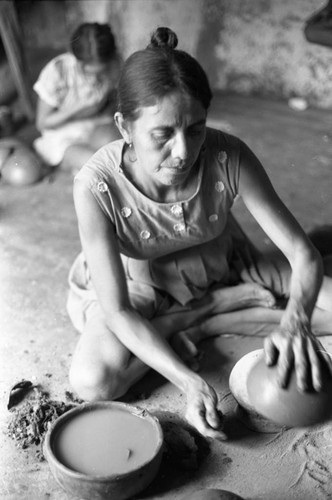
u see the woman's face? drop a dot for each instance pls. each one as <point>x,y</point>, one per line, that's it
<point>168,137</point>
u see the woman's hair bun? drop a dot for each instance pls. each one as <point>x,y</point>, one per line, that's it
<point>163,38</point>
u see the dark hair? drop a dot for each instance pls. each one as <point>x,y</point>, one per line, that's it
<point>150,74</point>
<point>93,42</point>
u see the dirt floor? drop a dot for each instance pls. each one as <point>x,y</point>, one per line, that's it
<point>39,241</point>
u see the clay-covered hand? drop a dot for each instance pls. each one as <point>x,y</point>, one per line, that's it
<point>202,412</point>
<point>298,348</point>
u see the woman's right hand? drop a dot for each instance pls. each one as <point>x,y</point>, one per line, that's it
<point>88,111</point>
<point>49,117</point>
<point>202,412</point>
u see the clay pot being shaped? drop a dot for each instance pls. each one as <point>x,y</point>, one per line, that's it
<point>20,166</point>
<point>238,378</point>
<point>288,407</point>
<point>245,411</point>
<point>212,494</point>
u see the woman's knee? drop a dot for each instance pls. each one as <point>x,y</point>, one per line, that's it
<point>97,383</point>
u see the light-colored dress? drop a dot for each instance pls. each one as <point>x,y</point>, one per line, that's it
<point>63,84</point>
<point>171,252</point>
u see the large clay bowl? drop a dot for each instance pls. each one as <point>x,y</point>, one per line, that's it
<point>130,438</point>
<point>287,407</point>
<point>238,378</point>
<point>244,410</point>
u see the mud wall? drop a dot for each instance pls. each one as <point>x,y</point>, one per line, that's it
<point>246,46</point>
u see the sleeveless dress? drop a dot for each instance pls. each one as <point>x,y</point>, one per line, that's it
<point>172,252</point>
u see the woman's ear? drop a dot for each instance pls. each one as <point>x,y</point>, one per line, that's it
<point>123,126</point>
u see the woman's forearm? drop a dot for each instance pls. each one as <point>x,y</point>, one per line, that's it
<point>139,336</point>
<point>306,280</point>
<point>54,119</point>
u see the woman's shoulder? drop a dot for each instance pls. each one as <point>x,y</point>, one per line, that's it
<point>101,177</point>
<point>101,169</point>
<point>216,138</point>
<point>222,154</point>
<point>56,72</point>
<point>60,63</point>
<point>52,83</point>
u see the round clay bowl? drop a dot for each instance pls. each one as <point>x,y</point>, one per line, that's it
<point>125,433</point>
<point>21,167</point>
<point>287,407</point>
<point>238,378</point>
<point>212,494</point>
<point>244,410</point>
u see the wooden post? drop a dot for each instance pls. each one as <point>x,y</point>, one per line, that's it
<point>12,41</point>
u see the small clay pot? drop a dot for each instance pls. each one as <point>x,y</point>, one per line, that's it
<point>117,486</point>
<point>19,165</point>
<point>212,494</point>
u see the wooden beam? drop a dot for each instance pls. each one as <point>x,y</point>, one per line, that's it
<point>11,36</point>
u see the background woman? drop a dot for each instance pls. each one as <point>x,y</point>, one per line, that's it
<point>164,263</point>
<point>76,102</point>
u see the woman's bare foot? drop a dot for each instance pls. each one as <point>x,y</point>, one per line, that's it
<point>185,343</point>
<point>220,300</point>
<point>241,296</point>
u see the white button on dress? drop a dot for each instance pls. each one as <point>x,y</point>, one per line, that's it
<point>102,187</point>
<point>126,212</point>
<point>213,217</point>
<point>179,227</point>
<point>177,210</point>
<point>222,156</point>
<point>145,235</point>
<point>219,186</point>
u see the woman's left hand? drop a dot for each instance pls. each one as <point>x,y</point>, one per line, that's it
<point>297,348</point>
<point>202,412</point>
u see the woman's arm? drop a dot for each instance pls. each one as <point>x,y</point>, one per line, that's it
<point>135,332</point>
<point>293,344</point>
<point>49,117</point>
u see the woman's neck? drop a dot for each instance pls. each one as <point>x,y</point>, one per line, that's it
<point>155,190</point>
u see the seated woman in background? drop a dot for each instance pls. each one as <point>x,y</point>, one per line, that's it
<point>76,93</point>
<point>164,263</point>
